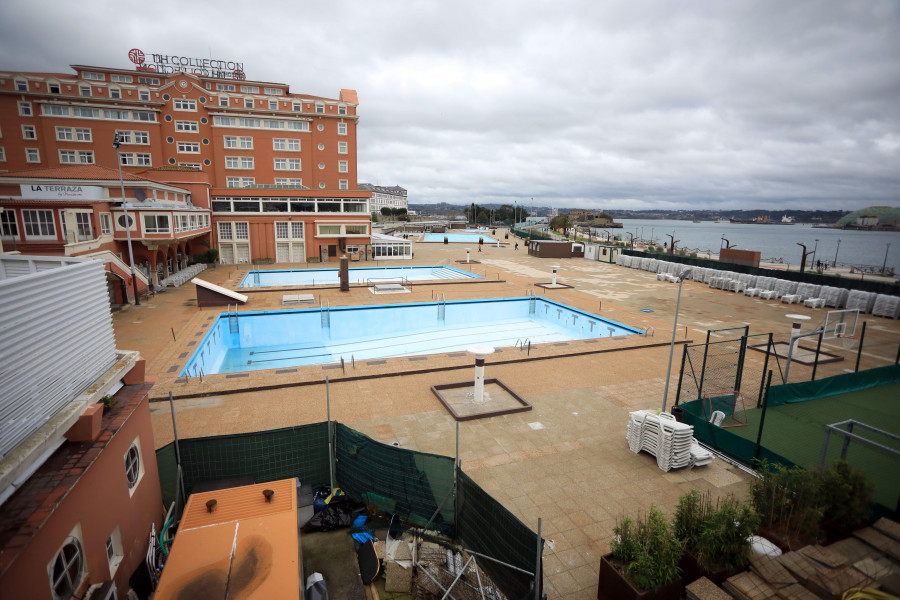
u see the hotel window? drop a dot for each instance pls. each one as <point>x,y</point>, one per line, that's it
<point>144,116</point>
<point>241,231</point>
<point>116,115</point>
<point>2,154</point>
<point>67,134</point>
<point>86,113</point>
<point>329,230</point>
<point>184,104</point>
<point>32,155</point>
<point>239,182</point>
<point>131,159</point>
<point>93,76</point>
<point>144,95</point>
<point>115,93</point>
<point>191,165</point>
<point>156,223</point>
<point>189,147</point>
<point>21,85</point>
<point>142,160</point>
<point>83,226</point>
<point>273,104</point>
<point>231,162</point>
<point>74,157</point>
<point>105,223</point>
<point>298,106</point>
<point>187,126</point>
<point>342,128</point>
<point>246,143</point>
<point>9,228</point>
<point>225,231</point>
<point>231,141</point>
<point>320,108</point>
<point>66,570</point>
<point>29,132</point>
<point>56,111</point>
<point>356,229</point>
<point>290,182</point>
<point>134,467</point>
<point>246,162</point>
<point>84,90</point>
<point>25,109</point>
<point>342,184</point>
<point>225,87</point>
<point>274,92</point>
<point>83,134</point>
<point>342,110</point>
<point>148,80</point>
<point>121,78</point>
<point>342,166</point>
<point>342,147</point>
<point>250,89</point>
<point>53,88</point>
<point>248,102</point>
<point>39,224</point>
<point>223,101</point>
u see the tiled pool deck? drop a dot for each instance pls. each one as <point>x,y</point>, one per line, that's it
<point>565,461</point>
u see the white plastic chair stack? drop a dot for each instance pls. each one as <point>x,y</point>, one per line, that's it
<point>808,290</point>
<point>834,297</point>
<point>784,287</point>
<point>623,260</point>
<point>636,262</point>
<point>651,265</point>
<point>864,301</point>
<point>886,306</point>
<point>645,264</point>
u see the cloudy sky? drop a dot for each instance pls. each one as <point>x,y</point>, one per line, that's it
<point>632,104</point>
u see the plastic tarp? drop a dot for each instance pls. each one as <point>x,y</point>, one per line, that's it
<point>831,386</point>
<point>808,290</point>
<point>784,287</point>
<point>886,306</point>
<point>864,301</point>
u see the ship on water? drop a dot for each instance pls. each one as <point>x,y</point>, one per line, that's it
<point>763,220</point>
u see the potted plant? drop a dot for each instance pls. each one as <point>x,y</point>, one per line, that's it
<point>847,498</point>
<point>716,537</point>
<point>788,503</point>
<point>643,562</point>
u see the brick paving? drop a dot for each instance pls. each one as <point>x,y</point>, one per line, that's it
<point>565,461</point>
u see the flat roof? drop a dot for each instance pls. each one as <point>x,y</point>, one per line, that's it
<point>247,545</point>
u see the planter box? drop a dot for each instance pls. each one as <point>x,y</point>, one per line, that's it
<point>613,585</point>
<point>692,570</point>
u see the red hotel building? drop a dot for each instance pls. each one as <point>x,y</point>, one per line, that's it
<point>274,171</point>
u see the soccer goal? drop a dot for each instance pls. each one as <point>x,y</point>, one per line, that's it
<point>725,409</point>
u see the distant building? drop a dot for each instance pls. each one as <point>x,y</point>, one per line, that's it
<point>390,197</point>
<point>867,220</point>
<point>276,168</point>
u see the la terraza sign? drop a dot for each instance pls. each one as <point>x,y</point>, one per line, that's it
<point>170,63</point>
<point>62,192</point>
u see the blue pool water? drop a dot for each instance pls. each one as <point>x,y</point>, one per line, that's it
<point>454,238</point>
<point>368,275</point>
<point>289,338</point>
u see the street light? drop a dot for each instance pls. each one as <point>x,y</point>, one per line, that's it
<point>631,240</point>
<point>834,264</point>
<point>684,274</point>
<point>884,265</point>
<point>116,143</point>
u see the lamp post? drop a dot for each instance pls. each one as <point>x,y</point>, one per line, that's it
<point>116,143</point>
<point>684,274</point>
<point>835,253</point>
<point>884,265</point>
<point>631,241</point>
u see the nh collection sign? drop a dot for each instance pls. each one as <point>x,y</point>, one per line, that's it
<point>62,192</point>
<point>170,63</point>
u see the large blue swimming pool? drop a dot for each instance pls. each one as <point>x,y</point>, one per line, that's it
<point>289,338</point>
<point>362,275</point>
<point>454,238</point>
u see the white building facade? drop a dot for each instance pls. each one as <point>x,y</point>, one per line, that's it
<point>385,197</point>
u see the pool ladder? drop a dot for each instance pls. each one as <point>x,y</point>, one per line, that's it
<point>524,344</point>
<point>233,326</point>
<point>325,311</point>
<point>442,308</point>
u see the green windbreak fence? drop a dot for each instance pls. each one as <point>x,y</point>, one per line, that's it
<point>397,481</point>
<point>414,485</point>
<point>832,386</point>
<point>265,456</point>
<point>485,526</point>
<point>790,427</point>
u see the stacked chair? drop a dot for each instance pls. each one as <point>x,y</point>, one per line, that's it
<point>671,442</point>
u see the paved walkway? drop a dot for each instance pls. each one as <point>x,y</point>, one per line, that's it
<point>565,461</point>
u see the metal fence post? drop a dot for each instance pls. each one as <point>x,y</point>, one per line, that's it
<point>862,336</point>
<point>762,418</point>
<point>762,383</point>
<point>742,354</point>
<point>681,375</point>
<point>703,368</point>
<point>818,349</point>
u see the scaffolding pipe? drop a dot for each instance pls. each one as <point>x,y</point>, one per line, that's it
<point>330,453</point>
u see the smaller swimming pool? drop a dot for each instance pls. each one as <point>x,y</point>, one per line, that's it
<point>358,275</point>
<point>459,238</point>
